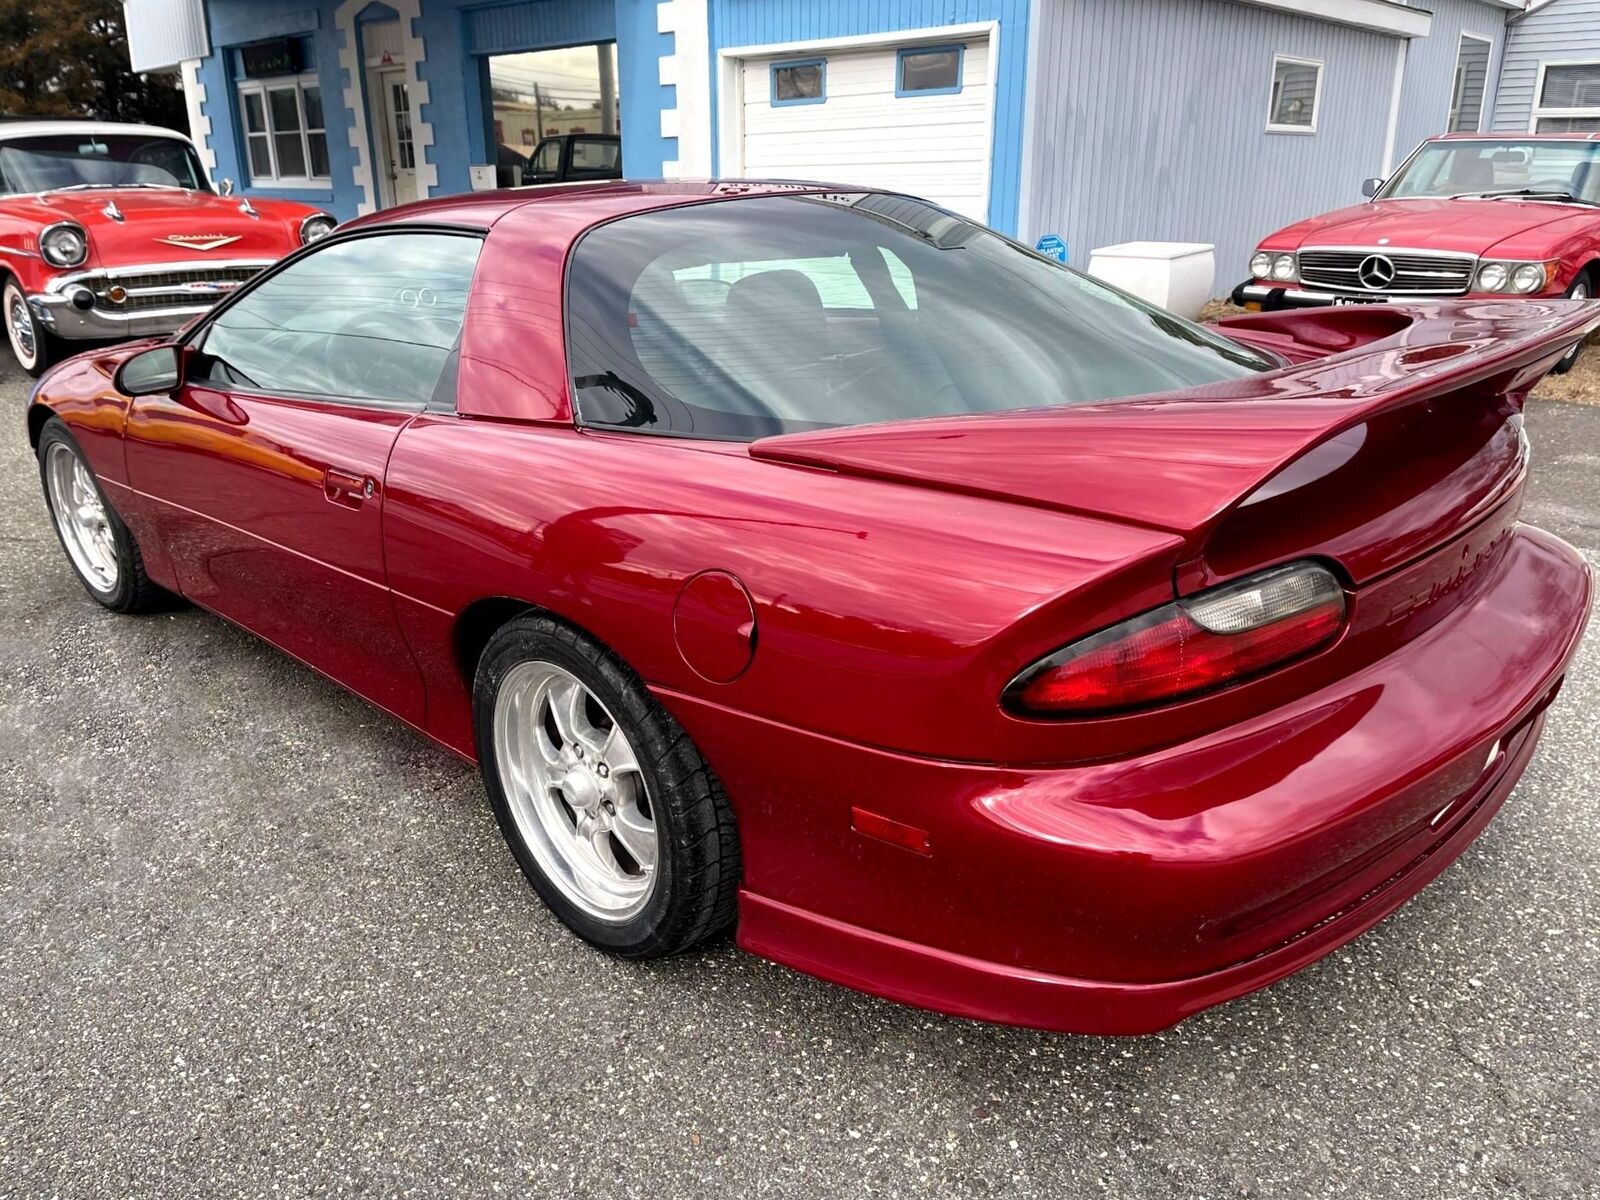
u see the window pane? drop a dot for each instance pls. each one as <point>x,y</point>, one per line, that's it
<point>798,81</point>
<point>589,154</point>
<point>255,117</point>
<point>548,160</point>
<point>374,318</point>
<point>758,316</point>
<point>313,101</point>
<point>319,154</point>
<point>285,112</point>
<point>1575,86</point>
<point>928,70</point>
<point>1569,124</point>
<point>1294,94</point>
<point>291,155</point>
<point>549,92</point>
<point>260,156</point>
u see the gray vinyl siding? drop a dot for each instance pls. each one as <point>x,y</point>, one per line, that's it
<point>1149,122</point>
<point>1431,68</point>
<point>1559,30</point>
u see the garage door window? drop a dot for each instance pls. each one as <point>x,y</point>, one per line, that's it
<point>800,82</point>
<point>929,71</point>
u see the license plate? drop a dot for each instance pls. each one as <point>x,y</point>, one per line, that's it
<point>1360,300</point>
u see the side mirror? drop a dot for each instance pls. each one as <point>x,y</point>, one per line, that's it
<point>154,372</point>
<point>1370,187</point>
<point>226,187</point>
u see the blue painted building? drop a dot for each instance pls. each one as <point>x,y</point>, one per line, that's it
<point>1096,120</point>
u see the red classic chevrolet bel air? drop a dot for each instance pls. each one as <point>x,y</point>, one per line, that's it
<point>1466,215</point>
<point>112,231</point>
<point>817,561</point>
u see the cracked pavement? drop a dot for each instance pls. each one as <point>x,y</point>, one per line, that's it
<point>260,941</point>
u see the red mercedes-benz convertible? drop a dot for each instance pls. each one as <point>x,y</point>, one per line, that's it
<point>977,635</point>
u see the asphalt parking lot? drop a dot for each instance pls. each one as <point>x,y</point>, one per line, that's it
<point>258,940</point>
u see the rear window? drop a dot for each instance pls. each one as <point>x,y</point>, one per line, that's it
<point>775,314</point>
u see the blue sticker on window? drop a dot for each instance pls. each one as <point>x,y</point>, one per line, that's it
<point>1052,245</point>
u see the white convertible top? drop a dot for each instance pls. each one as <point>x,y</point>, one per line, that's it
<point>16,129</point>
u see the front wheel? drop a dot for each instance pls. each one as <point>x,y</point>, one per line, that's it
<point>98,544</point>
<point>1582,289</point>
<point>32,345</point>
<point>610,811</point>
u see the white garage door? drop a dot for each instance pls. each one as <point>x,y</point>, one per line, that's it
<point>933,142</point>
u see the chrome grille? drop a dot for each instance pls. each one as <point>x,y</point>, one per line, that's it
<point>170,288</point>
<point>1415,274</point>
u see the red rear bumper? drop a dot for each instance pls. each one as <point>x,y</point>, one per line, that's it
<point>1121,897</point>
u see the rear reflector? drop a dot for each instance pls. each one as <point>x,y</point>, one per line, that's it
<point>1197,644</point>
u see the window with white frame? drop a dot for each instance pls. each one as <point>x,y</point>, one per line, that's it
<point>285,136</point>
<point>1296,95</point>
<point>1471,81</point>
<point>1567,99</point>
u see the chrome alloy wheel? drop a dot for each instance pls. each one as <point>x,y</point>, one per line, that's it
<point>81,517</point>
<point>575,791</point>
<point>19,324</point>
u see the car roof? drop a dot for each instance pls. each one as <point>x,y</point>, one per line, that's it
<point>31,128</point>
<point>1516,137</point>
<point>570,205</point>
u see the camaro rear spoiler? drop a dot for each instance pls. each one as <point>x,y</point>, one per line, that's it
<point>1179,461</point>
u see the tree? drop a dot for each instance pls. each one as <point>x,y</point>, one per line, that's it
<point>69,58</point>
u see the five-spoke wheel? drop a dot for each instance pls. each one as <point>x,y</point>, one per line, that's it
<point>612,814</point>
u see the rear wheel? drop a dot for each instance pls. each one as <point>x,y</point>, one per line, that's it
<point>33,346</point>
<point>1583,288</point>
<point>607,806</point>
<point>98,544</point>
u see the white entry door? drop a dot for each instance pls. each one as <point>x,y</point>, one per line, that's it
<point>402,153</point>
<point>868,116</point>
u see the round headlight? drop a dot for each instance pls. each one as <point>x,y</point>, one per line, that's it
<point>1283,266</point>
<point>1529,277</point>
<point>1492,277</point>
<point>64,245</point>
<point>316,227</point>
<point>1261,265</point>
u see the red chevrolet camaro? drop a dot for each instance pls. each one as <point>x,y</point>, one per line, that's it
<point>975,634</point>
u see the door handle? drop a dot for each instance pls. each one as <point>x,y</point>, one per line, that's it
<point>347,488</point>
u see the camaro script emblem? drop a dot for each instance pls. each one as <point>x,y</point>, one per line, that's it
<point>1376,271</point>
<point>198,241</point>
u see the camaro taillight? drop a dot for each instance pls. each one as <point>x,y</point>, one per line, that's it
<point>1193,645</point>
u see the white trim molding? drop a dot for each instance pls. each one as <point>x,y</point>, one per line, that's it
<point>194,99</point>
<point>687,70</point>
<point>344,20</point>
<point>1380,16</point>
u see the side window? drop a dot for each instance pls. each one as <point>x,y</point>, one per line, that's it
<point>547,159</point>
<point>594,154</point>
<point>370,318</point>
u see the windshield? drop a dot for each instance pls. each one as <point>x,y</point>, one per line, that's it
<point>1511,166</point>
<point>774,314</point>
<point>72,160</point>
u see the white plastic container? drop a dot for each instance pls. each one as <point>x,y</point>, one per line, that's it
<point>1177,276</point>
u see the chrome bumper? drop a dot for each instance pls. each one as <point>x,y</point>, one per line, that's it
<point>1271,298</point>
<point>56,310</point>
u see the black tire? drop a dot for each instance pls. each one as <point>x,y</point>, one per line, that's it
<point>696,883</point>
<point>46,347</point>
<point>132,592</point>
<point>1583,288</point>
